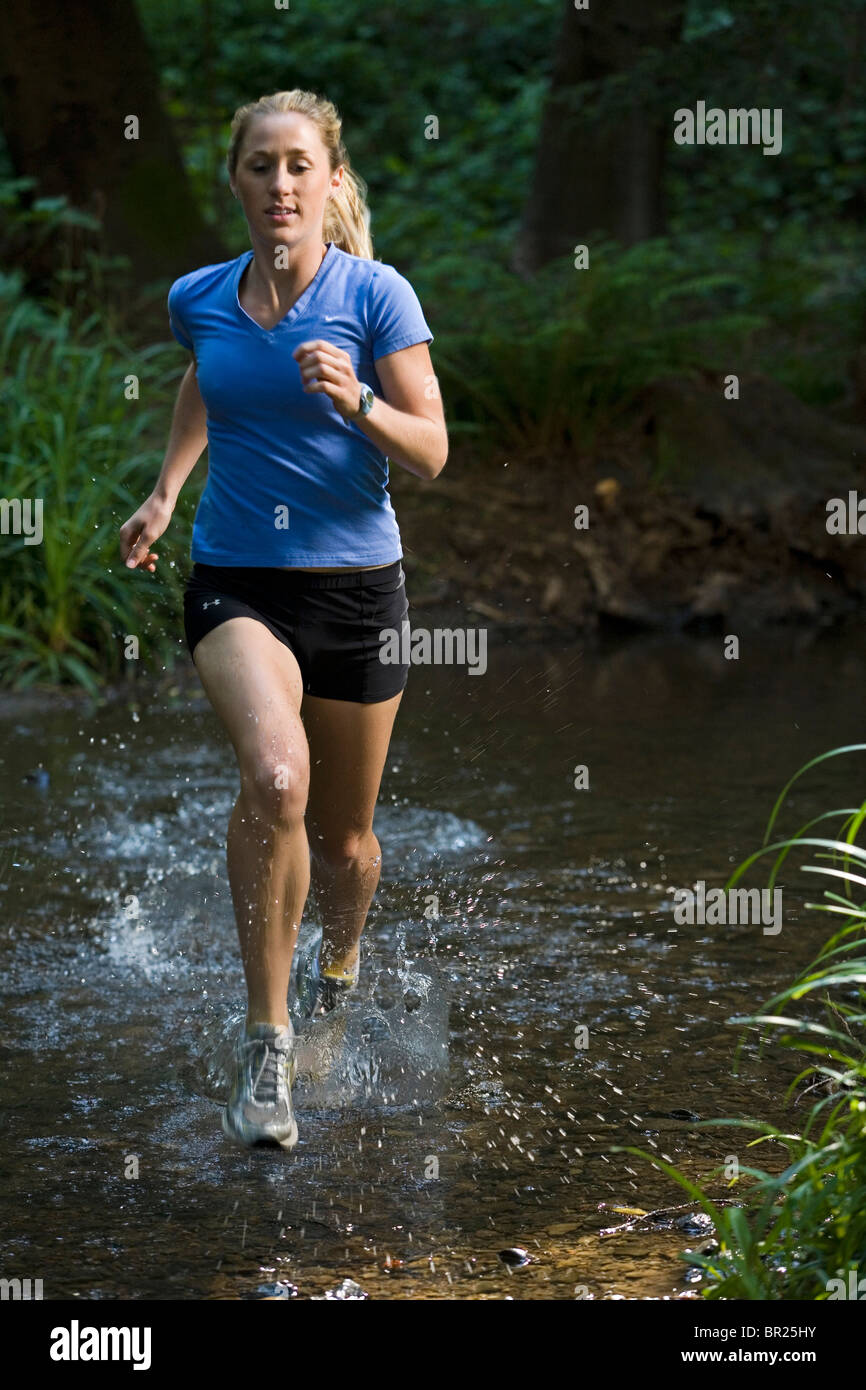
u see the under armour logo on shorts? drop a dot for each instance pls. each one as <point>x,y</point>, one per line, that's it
<point>212,604</point>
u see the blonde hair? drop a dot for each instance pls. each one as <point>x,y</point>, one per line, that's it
<point>347,218</point>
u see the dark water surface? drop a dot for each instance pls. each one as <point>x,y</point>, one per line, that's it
<point>459,1118</point>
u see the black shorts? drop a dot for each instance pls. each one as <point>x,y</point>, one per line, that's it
<point>331,622</point>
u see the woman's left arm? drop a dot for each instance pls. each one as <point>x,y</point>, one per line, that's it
<point>408,424</point>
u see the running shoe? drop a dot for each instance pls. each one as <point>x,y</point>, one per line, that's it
<point>317,993</point>
<point>259,1111</point>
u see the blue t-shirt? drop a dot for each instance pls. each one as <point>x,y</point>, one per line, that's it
<point>290,482</point>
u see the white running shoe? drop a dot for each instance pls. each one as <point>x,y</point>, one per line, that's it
<point>259,1110</point>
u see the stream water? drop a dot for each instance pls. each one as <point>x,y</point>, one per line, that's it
<point>457,1113</point>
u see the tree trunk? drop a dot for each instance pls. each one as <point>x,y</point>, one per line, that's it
<point>600,175</point>
<point>71,74</point>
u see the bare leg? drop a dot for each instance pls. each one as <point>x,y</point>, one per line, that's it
<point>348,745</point>
<point>255,686</point>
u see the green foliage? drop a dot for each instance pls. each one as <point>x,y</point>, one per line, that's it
<point>485,86</point>
<point>73,440</point>
<point>760,267</point>
<point>483,70</point>
<point>555,360</point>
<point>796,57</point>
<point>50,228</point>
<point>794,1231</point>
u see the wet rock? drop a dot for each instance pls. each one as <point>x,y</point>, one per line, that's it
<point>696,1223</point>
<point>279,1290</point>
<point>347,1290</point>
<point>375,1029</point>
<point>515,1256</point>
<point>412,1001</point>
<point>678,1114</point>
<point>708,1247</point>
<point>715,592</point>
<point>614,596</point>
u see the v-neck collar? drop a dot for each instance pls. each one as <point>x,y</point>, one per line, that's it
<point>300,305</point>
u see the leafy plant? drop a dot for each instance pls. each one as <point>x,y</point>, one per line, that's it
<point>77,447</point>
<point>799,1229</point>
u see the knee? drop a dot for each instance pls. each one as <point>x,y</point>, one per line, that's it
<point>342,849</point>
<point>276,792</point>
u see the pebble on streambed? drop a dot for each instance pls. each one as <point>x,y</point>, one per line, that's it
<point>515,1256</point>
<point>275,1291</point>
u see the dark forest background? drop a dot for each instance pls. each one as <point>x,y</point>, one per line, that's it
<point>562,386</point>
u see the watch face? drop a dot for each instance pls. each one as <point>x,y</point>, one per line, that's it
<point>366,398</point>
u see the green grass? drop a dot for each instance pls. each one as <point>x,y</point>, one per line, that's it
<point>73,438</point>
<point>790,1233</point>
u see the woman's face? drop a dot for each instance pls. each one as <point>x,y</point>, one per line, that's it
<point>282,163</point>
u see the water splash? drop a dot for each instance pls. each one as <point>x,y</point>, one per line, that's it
<point>388,1044</point>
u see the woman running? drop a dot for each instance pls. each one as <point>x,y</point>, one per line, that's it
<point>310,369</point>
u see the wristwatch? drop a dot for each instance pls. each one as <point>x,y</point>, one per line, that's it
<point>367,399</point>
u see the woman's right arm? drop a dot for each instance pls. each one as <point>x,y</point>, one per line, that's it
<point>186,443</point>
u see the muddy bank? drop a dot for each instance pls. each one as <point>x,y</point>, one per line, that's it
<point>702,513</point>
